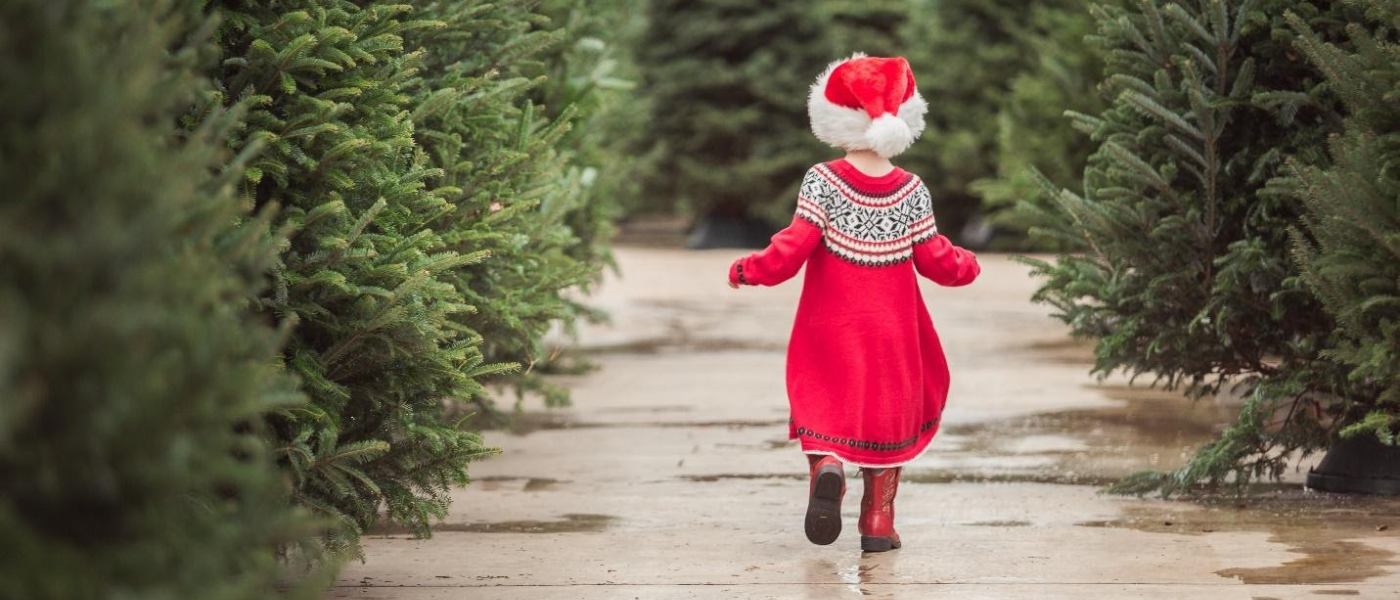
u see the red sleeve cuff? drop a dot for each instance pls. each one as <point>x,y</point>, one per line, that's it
<point>736,273</point>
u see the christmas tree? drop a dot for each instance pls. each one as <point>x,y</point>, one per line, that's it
<point>1348,246</point>
<point>1033,138</point>
<point>726,82</point>
<point>132,370</point>
<point>378,342</point>
<point>1186,273</point>
<point>440,213</point>
<point>874,27</point>
<point>967,56</point>
<point>523,199</point>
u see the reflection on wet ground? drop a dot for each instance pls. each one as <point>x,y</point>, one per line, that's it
<point>1327,531</point>
<point>1146,429</point>
<point>531,484</point>
<point>683,429</point>
<point>566,523</point>
<point>530,422</point>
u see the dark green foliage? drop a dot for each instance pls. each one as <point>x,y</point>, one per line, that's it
<point>440,214</point>
<point>1032,133</point>
<point>523,192</point>
<point>1186,273</point>
<point>590,73</point>
<point>874,27</point>
<point>132,378</point>
<point>381,342</point>
<point>726,83</point>
<point>1351,250</point>
<point>967,56</point>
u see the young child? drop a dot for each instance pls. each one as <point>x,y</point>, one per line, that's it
<point>866,376</point>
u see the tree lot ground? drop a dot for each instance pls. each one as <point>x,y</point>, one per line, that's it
<point>671,477</point>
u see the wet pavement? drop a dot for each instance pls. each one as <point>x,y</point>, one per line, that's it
<point>671,476</point>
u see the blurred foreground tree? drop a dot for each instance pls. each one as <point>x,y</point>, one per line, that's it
<point>1187,273</point>
<point>133,378</point>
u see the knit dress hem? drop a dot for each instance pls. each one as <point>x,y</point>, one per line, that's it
<point>925,441</point>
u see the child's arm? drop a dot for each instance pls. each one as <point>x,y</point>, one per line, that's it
<point>938,259</point>
<point>781,259</point>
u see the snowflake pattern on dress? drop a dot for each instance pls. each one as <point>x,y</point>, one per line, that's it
<point>868,230</point>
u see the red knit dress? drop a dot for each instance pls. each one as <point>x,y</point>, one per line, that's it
<point>866,376</point>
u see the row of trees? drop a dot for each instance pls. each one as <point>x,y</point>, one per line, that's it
<point>1237,223</point>
<point>1218,174</point>
<point>725,85</point>
<point>260,262</point>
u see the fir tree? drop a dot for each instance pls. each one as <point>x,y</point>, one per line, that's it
<point>379,343</point>
<point>966,55</point>
<point>1032,135</point>
<point>521,198</point>
<point>874,27</point>
<point>132,463</point>
<point>592,74</point>
<point>1350,251</point>
<point>1186,272</point>
<point>726,83</point>
<point>441,216</point>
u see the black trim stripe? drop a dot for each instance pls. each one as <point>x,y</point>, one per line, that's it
<point>868,444</point>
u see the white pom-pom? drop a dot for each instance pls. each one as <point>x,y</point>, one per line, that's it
<point>889,135</point>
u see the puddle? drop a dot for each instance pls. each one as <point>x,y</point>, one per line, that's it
<point>644,409</point>
<point>1054,477</point>
<point>779,444</point>
<point>1326,532</point>
<point>742,476</point>
<point>532,484</point>
<point>1063,350</point>
<point>684,342</point>
<point>568,523</point>
<point>525,423</point>
<point>536,484</point>
<point>1146,429</point>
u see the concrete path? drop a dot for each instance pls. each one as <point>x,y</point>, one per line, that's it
<point>672,477</point>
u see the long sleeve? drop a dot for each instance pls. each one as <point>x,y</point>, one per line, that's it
<point>938,259</point>
<point>783,257</point>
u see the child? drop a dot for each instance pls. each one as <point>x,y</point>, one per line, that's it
<point>866,376</point>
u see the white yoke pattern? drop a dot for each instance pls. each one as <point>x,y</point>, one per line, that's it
<point>867,229</point>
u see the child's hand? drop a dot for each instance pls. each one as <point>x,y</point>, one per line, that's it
<point>733,285</point>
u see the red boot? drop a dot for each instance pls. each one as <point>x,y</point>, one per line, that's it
<point>877,510</point>
<point>824,498</point>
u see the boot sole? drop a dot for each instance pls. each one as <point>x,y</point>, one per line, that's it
<point>824,508</point>
<point>877,544</point>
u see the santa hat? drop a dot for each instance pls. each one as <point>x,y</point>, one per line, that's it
<point>867,103</point>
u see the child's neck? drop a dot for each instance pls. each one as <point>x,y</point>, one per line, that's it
<point>868,162</point>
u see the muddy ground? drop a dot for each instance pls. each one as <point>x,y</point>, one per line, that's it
<point>671,476</point>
